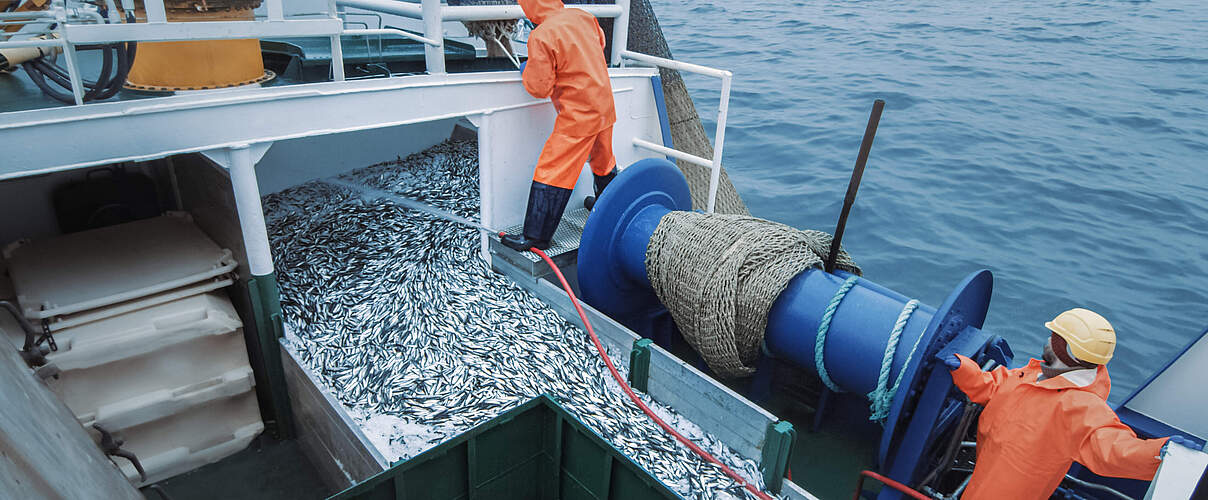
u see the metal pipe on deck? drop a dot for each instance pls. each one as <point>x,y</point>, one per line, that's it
<point>405,9</point>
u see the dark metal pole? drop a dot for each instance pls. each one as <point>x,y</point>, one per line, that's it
<point>854,184</point>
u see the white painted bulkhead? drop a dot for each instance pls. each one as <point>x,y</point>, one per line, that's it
<point>510,141</point>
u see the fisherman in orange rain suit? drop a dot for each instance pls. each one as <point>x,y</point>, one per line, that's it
<point>1040,418</point>
<point>566,62</point>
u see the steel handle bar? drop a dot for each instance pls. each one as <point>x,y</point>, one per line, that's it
<point>393,31</point>
<point>910,492</point>
<point>723,110</point>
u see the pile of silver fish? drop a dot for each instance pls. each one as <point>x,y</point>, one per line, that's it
<point>395,311</point>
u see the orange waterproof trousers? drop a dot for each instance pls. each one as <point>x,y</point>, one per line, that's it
<point>563,156</point>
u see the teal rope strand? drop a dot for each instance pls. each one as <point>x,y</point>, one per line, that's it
<point>898,381</point>
<point>824,326</point>
<point>881,397</point>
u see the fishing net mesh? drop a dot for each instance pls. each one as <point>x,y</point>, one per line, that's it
<point>719,274</point>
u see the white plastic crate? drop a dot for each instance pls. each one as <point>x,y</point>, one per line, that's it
<point>101,267</point>
<point>153,362</point>
<point>70,320</point>
<point>185,441</point>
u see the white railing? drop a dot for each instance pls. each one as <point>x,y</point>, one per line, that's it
<point>69,31</point>
<point>433,14</point>
<point>719,136</point>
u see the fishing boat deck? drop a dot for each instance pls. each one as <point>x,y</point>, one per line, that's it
<point>268,469</point>
<point>304,103</point>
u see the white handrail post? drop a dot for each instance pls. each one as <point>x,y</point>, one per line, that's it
<point>337,58</point>
<point>73,71</point>
<point>719,138</point>
<point>434,57</point>
<point>620,32</point>
<point>156,13</point>
<point>723,109</point>
<point>276,12</point>
<point>337,47</point>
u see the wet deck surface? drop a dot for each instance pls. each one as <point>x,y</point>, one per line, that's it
<point>268,469</point>
<point>827,462</point>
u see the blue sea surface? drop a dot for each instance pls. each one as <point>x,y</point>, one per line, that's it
<point>1062,145</point>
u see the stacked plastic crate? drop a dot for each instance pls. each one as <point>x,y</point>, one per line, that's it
<point>147,342</point>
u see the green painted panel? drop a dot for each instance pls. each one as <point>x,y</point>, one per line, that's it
<point>534,451</point>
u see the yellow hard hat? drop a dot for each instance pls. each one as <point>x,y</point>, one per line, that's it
<point>1090,337</point>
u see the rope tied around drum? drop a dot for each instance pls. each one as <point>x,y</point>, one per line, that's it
<point>719,275</point>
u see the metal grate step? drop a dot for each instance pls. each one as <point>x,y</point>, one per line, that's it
<point>563,250</point>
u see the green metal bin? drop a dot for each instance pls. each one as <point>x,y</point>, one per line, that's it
<point>535,451</point>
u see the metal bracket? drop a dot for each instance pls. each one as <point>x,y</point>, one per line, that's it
<point>639,365</point>
<point>222,156</point>
<point>777,450</point>
<point>113,447</point>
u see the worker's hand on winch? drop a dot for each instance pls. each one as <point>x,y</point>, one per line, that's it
<point>1182,441</point>
<point>952,362</point>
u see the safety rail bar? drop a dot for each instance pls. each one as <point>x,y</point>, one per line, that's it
<point>157,28</point>
<point>433,14</point>
<point>394,31</point>
<point>58,14</point>
<point>67,33</point>
<point>719,135</point>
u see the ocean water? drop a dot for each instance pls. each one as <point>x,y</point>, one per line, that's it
<point>1062,145</point>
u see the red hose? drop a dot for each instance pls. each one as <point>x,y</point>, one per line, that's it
<point>629,392</point>
<point>910,492</point>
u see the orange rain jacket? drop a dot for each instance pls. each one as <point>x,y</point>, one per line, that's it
<point>566,63</point>
<point>1031,432</point>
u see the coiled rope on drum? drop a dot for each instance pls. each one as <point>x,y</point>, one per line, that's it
<point>824,327</point>
<point>719,275</point>
<point>881,397</point>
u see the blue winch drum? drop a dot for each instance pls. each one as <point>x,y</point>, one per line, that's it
<point>612,275</point>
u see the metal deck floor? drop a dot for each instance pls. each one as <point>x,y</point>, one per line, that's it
<point>268,469</point>
<point>564,248</point>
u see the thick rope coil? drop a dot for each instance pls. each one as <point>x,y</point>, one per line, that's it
<point>824,327</point>
<point>882,396</point>
<point>719,275</point>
